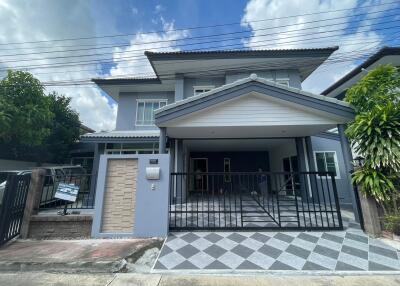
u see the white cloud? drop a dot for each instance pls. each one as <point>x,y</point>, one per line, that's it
<point>47,20</point>
<point>350,44</point>
<point>159,8</point>
<point>134,10</point>
<point>137,64</point>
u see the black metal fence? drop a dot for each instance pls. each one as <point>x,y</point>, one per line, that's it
<point>85,198</point>
<point>254,200</point>
<point>12,206</point>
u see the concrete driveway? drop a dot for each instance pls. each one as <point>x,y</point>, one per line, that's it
<point>347,250</point>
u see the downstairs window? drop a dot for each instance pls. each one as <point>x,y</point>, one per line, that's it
<point>326,161</point>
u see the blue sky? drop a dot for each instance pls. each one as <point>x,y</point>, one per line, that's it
<point>52,61</point>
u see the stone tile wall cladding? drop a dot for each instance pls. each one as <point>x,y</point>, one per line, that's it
<point>60,227</point>
<point>120,196</point>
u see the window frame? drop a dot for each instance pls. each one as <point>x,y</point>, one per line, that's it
<point>121,150</point>
<point>337,169</point>
<point>202,87</point>
<point>144,101</point>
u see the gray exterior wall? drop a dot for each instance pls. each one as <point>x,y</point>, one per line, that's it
<point>151,211</point>
<point>127,104</point>
<point>292,75</point>
<point>323,144</point>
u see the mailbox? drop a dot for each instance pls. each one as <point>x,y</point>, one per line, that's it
<point>152,173</point>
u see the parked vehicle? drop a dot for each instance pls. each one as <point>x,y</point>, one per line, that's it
<point>3,180</point>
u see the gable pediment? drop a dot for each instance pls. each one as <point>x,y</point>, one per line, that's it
<point>254,110</point>
<point>259,92</point>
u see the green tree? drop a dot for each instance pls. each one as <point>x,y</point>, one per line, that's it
<point>25,117</point>
<point>33,125</point>
<point>65,128</point>
<point>375,133</point>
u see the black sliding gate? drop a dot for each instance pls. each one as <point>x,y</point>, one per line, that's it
<point>254,201</point>
<point>13,199</point>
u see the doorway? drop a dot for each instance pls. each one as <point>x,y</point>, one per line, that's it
<point>199,181</point>
<point>292,180</point>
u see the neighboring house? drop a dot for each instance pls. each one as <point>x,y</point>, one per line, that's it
<point>82,153</point>
<point>386,55</point>
<point>233,112</point>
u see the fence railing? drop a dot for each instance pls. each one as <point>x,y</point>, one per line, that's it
<point>254,200</point>
<point>85,198</point>
<point>12,206</point>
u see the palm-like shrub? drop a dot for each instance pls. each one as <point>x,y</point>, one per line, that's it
<point>375,134</point>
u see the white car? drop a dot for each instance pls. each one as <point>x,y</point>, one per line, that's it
<point>3,184</point>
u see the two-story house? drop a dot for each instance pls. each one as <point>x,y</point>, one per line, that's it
<point>238,128</point>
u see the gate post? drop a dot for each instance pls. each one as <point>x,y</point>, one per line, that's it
<point>32,200</point>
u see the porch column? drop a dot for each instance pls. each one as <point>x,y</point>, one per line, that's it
<point>348,159</point>
<point>301,161</point>
<point>162,142</point>
<point>311,166</point>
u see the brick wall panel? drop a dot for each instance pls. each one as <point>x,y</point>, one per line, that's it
<point>120,196</point>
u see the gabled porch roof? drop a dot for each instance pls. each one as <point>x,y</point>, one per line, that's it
<point>260,86</point>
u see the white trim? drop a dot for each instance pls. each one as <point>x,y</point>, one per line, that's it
<point>205,88</point>
<point>144,100</point>
<point>334,157</point>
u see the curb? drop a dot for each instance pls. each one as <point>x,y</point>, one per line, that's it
<point>60,267</point>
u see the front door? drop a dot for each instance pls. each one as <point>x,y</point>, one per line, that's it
<point>199,181</point>
<point>292,180</point>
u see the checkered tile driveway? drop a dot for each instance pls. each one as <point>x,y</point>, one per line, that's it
<point>344,250</point>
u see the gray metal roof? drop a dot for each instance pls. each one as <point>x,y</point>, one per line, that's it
<point>127,80</point>
<point>214,54</point>
<point>121,135</point>
<point>258,53</point>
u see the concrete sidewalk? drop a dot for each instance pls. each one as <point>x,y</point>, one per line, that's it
<point>39,278</point>
<point>77,256</point>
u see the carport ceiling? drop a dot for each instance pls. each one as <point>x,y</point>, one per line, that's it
<point>235,144</point>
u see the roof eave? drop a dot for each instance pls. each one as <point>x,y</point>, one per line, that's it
<point>182,55</point>
<point>384,51</point>
<point>126,81</point>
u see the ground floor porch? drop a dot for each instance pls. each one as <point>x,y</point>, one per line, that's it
<point>257,183</point>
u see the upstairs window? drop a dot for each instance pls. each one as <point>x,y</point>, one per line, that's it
<point>201,89</point>
<point>283,81</point>
<point>327,162</point>
<point>145,111</point>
